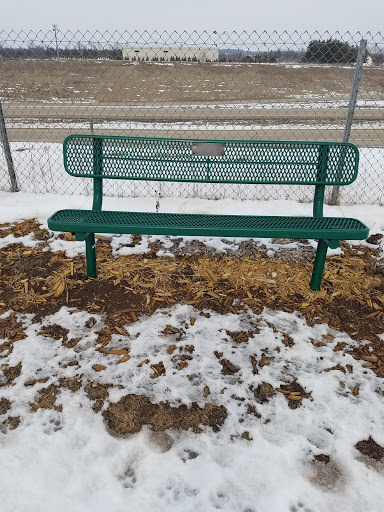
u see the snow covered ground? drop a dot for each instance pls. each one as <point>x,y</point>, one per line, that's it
<point>186,125</point>
<point>39,169</point>
<point>266,456</point>
<point>68,460</point>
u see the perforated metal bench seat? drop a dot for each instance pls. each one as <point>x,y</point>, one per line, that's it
<point>89,221</point>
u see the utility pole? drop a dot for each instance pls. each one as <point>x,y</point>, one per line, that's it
<point>57,46</point>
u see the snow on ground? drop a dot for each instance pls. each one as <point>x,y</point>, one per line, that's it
<point>186,125</point>
<point>261,460</point>
<point>57,461</point>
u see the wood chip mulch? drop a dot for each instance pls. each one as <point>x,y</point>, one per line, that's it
<point>41,282</point>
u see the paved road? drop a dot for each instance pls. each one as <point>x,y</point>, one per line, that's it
<point>58,115</point>
<point>175,113</point>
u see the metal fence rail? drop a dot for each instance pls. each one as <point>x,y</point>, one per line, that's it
<point>230,85</point>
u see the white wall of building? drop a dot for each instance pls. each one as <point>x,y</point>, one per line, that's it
<point>168,54</point>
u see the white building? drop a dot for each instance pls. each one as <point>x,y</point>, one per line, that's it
<point>171,54</point>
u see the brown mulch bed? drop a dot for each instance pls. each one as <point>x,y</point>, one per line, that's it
<point>39,281</point>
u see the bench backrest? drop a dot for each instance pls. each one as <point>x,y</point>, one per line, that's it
<point>190,160</point>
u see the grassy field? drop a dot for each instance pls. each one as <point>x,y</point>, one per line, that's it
<point>116,82</point>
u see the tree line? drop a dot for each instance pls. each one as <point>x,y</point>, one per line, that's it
<point>330,51</point>
<point>42,52</point>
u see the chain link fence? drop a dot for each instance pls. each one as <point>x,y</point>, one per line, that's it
<point>250,86</point>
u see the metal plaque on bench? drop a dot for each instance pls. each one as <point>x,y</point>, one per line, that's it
<point>208,148</point>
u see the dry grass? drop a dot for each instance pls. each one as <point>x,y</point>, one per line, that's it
<point>116,82</point>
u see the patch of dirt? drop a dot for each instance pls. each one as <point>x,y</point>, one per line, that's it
<point>375,239</point>
<point>251,409</point>
<point>71,383</point>
<point>322,457</point>
<point>43,283</point>
<point>133,411</point>
<point>46,399</point>
<point>13,422</point>
<point>11,329</point>
<point>10,373</point>
<point>371,356</point>
<point>240,336</point>
<point>97,405</point>
<point>158,369</point>
<point>25,280</point>
<point>9,423</point>
<point>346,312</point>
<point>370,448</point>
<point>264,392</point>
<point>180,361</point>
<point>287,340</point>
<point>55,332</point>
<point>5,405</point>
<point>170,330</point>
<point>228,367</point>
<point>96,391</point>
<point>103,296</point>
<point>294,393</point>
<point>303,253</point>
<point>16,261</point>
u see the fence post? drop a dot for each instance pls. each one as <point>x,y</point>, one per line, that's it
<point>335,196</point>
<point>7,152</point>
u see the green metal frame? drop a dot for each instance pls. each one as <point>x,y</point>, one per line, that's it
<point>99,157</point>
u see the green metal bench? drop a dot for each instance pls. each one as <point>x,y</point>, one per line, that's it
<point>244,162</point>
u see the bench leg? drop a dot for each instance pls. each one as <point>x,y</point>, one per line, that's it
<point>318,266</point>
<point>90,251</point>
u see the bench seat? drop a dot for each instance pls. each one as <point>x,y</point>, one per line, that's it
<point>179,224</point>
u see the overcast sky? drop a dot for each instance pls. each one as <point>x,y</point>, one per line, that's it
<point>219,15</point>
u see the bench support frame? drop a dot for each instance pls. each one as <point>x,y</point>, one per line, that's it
<point>90,251</point>
<point>318,267</point>
<point>100,155</point>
